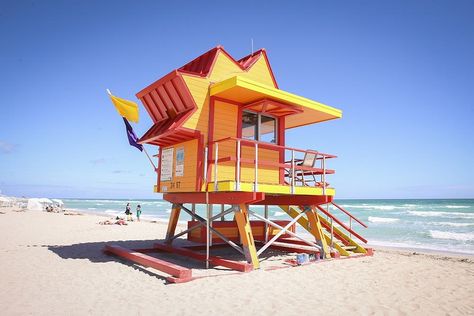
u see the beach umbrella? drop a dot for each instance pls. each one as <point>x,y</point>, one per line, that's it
<point>34,205</point>
<point>58,201</point>
<point>4,201</point>
<point>45,200</point>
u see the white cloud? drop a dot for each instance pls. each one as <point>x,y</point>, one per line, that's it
<point>6,148</point>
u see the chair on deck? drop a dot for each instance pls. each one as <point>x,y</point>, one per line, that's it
<point>306,176</point>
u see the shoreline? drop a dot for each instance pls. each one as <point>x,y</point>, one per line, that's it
<point>376,247</point>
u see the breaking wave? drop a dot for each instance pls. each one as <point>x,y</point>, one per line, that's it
<point>451,224</point>
<point>437,234</point>
<point>457,206</point>
<point>372,207</point>
<point>441,214</point>
<point>374,219</point>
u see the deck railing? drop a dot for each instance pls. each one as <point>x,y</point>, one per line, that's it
<point>293,172</point>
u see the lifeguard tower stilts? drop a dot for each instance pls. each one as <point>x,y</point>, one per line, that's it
<point>220,126</point>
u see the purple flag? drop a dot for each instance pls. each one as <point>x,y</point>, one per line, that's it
<point>132,138</point>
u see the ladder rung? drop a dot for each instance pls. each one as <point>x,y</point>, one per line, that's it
<point>349,247</point>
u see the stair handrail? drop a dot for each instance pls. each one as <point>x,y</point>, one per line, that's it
<point>341,223</point>
<point>350,215</point>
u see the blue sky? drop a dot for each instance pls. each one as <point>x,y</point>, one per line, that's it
<point>402,72</point>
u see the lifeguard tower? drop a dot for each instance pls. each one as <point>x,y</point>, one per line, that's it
<point>220,127</point>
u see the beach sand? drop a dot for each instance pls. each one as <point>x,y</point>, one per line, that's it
<point>53,264</point>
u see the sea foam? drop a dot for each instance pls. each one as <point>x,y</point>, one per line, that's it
<point>441,214</point>
<point>437,234</point>
<point>374,219</point>
<point>451,224</point>
<point>458,206</point>
<point>371,207</point>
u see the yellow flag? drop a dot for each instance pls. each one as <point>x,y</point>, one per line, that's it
<point>126,108</point>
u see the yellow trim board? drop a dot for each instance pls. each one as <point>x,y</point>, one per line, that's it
<point>241,89</point>
<point>229,186</point>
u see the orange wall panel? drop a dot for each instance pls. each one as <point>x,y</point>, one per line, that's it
<point>187,182</point>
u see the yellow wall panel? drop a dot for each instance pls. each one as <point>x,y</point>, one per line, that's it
<point>224,67</point>
<point>199,88</point>
<point>260,72</point>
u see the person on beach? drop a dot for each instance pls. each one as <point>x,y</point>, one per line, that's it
<point>139,212</point>
<point>128,212</point>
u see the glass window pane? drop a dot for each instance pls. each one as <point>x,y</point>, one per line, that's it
<point>268,129</point>
<point>249,125</point>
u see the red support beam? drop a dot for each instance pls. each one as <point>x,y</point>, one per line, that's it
<point>294,200</point>
<point>179,273</point>
<point>216,261</point>
<point>215,197</point>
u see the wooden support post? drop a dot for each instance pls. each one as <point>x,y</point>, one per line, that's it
<point>312,226</point>
<point>174,216</point>
<point>317,231</point>
<point>245,231</point>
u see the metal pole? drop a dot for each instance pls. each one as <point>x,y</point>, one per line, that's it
<point>292,171</point>
<point>222,211</point>
<point>210,220</point>
<point>215,166</point>
<point>238,166</point>
<point>151,161</point>
<point>324,175</point>
<point>207,204</point>
<point>266,224</point>
<point>193,210</point>
<point>255,188</point>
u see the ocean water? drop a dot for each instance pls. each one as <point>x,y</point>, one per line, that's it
<point>441,225</point>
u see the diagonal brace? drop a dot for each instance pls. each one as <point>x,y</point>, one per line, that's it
<point>203,223</point>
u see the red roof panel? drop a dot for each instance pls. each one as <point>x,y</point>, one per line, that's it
<point>249,60</point>
<point>202,64</point>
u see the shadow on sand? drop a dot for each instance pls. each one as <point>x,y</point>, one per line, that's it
<point>93,251</point>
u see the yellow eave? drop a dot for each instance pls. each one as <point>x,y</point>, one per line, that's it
<point>245,91</point>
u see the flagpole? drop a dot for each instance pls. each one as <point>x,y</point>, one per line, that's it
<point>151,161</point>
<point>144,149</point>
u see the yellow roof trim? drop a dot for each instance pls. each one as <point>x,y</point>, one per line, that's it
<point>237,83</point>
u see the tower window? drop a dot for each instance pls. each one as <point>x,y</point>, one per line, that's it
<point>256,126</point>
